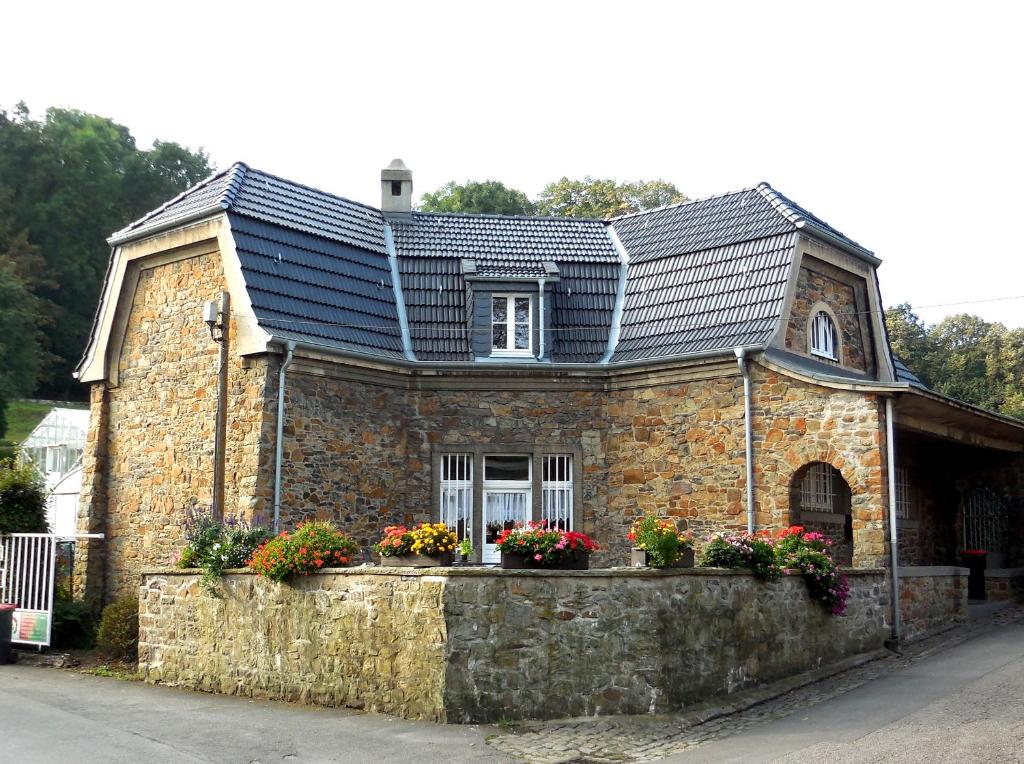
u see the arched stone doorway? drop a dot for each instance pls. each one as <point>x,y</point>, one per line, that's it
<point>820,500</point>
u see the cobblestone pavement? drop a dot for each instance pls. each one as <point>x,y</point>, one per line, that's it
<point>643,738</point>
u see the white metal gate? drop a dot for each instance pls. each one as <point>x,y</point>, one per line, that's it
<point>26,580</point>
<point>28,563</point>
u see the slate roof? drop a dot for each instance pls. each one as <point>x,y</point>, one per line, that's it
<point>431,246</point>
<point>703,275</point>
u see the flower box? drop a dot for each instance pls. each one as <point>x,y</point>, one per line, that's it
<point>578,560</point>
<point>638,558</point>
<point>418,560</point>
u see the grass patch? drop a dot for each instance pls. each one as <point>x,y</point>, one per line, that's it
<point>124,672</point>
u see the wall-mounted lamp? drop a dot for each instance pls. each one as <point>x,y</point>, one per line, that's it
<point>212,318</point>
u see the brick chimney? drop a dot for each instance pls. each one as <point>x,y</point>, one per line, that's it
<point>396,189</point>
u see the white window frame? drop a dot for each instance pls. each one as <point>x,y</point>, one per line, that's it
<point>456,499</point>
<point>510,348</point>
<point>823,334</point>
<point>557,490</point>
<point>818,490</point>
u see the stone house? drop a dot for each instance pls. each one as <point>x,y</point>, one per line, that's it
<point>722,361</point>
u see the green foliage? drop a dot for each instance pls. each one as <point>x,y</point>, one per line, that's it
<point>962,356</point>
<point>601,198</point>
<point>478,197</point>
<point>740,550</point>
<point>217,547</point>
<point>118,634</point>
<point>661,540</point>
<point>67,181</point>
<point>312,547</point>
<point>74,625</point>
<point>22,499</point>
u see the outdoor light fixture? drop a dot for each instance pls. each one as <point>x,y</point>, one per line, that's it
<point>211,317</point>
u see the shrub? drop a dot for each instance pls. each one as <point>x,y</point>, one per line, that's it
<point>426,539</point>
<point>22,499</point>
<point>312,547</point>
<point>544,545</point>
<point>661,540</point>
<point>118,634</point>
<point>74,625</point>
<point>217,547</point>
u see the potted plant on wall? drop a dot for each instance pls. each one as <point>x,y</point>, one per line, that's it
<point>535,545</point>
<point>658,543</point>
<point>426,545</point>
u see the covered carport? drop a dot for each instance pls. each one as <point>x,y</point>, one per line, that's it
<point>959,479</point>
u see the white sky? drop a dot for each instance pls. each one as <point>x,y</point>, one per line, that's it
<point>899,124</point>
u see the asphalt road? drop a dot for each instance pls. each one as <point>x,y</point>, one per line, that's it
<point>53,716</point>
<point>965,704</point>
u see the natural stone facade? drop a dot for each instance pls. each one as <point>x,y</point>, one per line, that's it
<point>931,599</point>
<point>840,293</point>
<point>468,645</point>
<point>150,445</point>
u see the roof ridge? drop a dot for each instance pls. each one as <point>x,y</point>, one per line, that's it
<point>315,190</point>
<point>227,197</point>
<point>780,203</point>
<point>679,204</point>
<point>494,215</point>
<point>799,217</point>
<point>191,189</point>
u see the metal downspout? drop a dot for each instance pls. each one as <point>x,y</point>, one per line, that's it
<point>894,562</point>
<point>279,443</point>
<point>748,428</point>
<point>540,313</point>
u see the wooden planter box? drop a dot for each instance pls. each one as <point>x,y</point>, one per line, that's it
<point>578,561</point>
<point>638,559</point>
<point>418,560</point>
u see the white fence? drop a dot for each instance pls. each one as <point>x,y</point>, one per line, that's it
<point>28,564</point>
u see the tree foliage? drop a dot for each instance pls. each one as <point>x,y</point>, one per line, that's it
<point>22,499</point>
<point>602,198</point>
<point>963,356</point>
<point>68,181</point>
<point>479,197</point>
<point>586,198</point>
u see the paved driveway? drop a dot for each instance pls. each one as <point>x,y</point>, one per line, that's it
<point>965,704</point>
<point>51,716</point>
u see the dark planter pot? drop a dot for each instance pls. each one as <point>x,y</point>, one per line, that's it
<point>418,560</point>
<point>6,627</point>
<point>578,561</point>
<point>976,563</point>
<point>638,559</point>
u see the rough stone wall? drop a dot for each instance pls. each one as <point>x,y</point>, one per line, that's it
<point>814,287</point>
<point>359,453</point>
<point>160,424</point>
<point>90,554</point>
<point>479,645</point>
<point>1004,584</point>
<point>373,642</point>
<point>797,423</point>
<point>931,599</point>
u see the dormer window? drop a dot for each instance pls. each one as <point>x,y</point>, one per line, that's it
<point>511,319</point>
<point>823,336</point>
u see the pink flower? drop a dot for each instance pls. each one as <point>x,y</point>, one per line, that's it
<point>537,557</point>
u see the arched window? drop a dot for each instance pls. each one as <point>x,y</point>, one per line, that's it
<point>823,336</point>
<point>820,500</point>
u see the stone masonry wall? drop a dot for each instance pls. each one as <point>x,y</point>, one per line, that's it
<point>360,453</point>
<point>931,599</point>
<point>478,645</point>
<point>152,436</point>
<point>814,287</point>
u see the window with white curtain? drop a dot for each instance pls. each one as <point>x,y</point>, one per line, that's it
<point>556,491</point>
<point>457,493</point>
<point>511,320</point>
<point>823,336</point>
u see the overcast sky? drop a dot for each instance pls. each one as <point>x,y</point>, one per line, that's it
<point>899,124</point>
